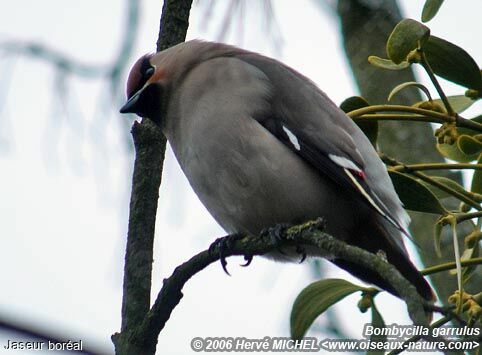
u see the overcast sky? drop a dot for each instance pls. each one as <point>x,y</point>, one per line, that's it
<point>65,177</point>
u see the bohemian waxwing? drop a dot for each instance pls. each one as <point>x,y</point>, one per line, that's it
<point>261,145</point>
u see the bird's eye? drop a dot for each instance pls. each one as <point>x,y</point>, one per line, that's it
<point>146,69</point>
<point>149,72</point>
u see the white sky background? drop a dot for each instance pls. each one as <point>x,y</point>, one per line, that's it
<point>65,180</point>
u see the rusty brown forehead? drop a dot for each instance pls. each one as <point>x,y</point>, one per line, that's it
<point>137,76</point>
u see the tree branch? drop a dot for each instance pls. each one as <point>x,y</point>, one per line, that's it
<point>436,166</point>
<point>427,178</point>
<point>174,23</point>
<point>366,113</point>
<point>150,146</point>
<point>450,266</point>
<point>307,234</point>
<point>143,338</point>
<point>142,217</point>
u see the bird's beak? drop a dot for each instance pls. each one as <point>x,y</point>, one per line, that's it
<point>146,102</point>
<point>131,105</point>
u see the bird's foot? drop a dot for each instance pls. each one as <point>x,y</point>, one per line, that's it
<point>283,231</point>
<point>278,235</point>
<point>226,243</point>
<point>275,234</point>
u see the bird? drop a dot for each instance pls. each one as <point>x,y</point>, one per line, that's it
<point>261,145</point>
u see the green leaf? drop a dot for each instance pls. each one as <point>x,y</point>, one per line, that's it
<point>469,145</point>
<point>408,35</point>
<point>430,9</point>
<point>477,179</point>
<point>468,131</point>
<point>314,300</point>
<point>353,103</point>
<point>402,86</point>
<point>452,152</point>
<point>452,63</point>
<point>414,195</point>
<point>459,103</point>
<point>369,128</point>
<point>465,150</point>
<point>440,194</point>
<point>377,322</point>
<point>387,63</point>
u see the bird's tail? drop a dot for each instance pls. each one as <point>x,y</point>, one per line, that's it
<point>395,255</point>
<point>406,268</point>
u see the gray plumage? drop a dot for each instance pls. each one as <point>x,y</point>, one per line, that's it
<point>260,144</point>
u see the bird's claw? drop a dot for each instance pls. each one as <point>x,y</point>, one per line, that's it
<point>301,250</point>
<point>221,244</point>
<point>248,259</point>
<point>225,243</point>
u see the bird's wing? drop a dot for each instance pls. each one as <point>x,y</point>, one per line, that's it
<point>308,122</point>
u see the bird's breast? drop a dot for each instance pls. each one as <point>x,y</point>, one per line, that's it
<point>248,180</point>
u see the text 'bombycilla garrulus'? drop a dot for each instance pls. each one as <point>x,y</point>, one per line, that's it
<point>261,145</point>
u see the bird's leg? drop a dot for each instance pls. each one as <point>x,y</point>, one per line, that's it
<point>275,233</point>
<point>226,243</point>
<point>287,231</point>
<point>318,223</point>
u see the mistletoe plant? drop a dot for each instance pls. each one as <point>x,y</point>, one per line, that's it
<point>458,139</point>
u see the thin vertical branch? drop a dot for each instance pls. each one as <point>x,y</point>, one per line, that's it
<point>433,79</point>
<point>150,146</point>
<point>174,23</point>
<point>146,180</point>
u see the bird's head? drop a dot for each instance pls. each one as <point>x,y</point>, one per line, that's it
<point>145,86</point>
<point>154,76</point>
